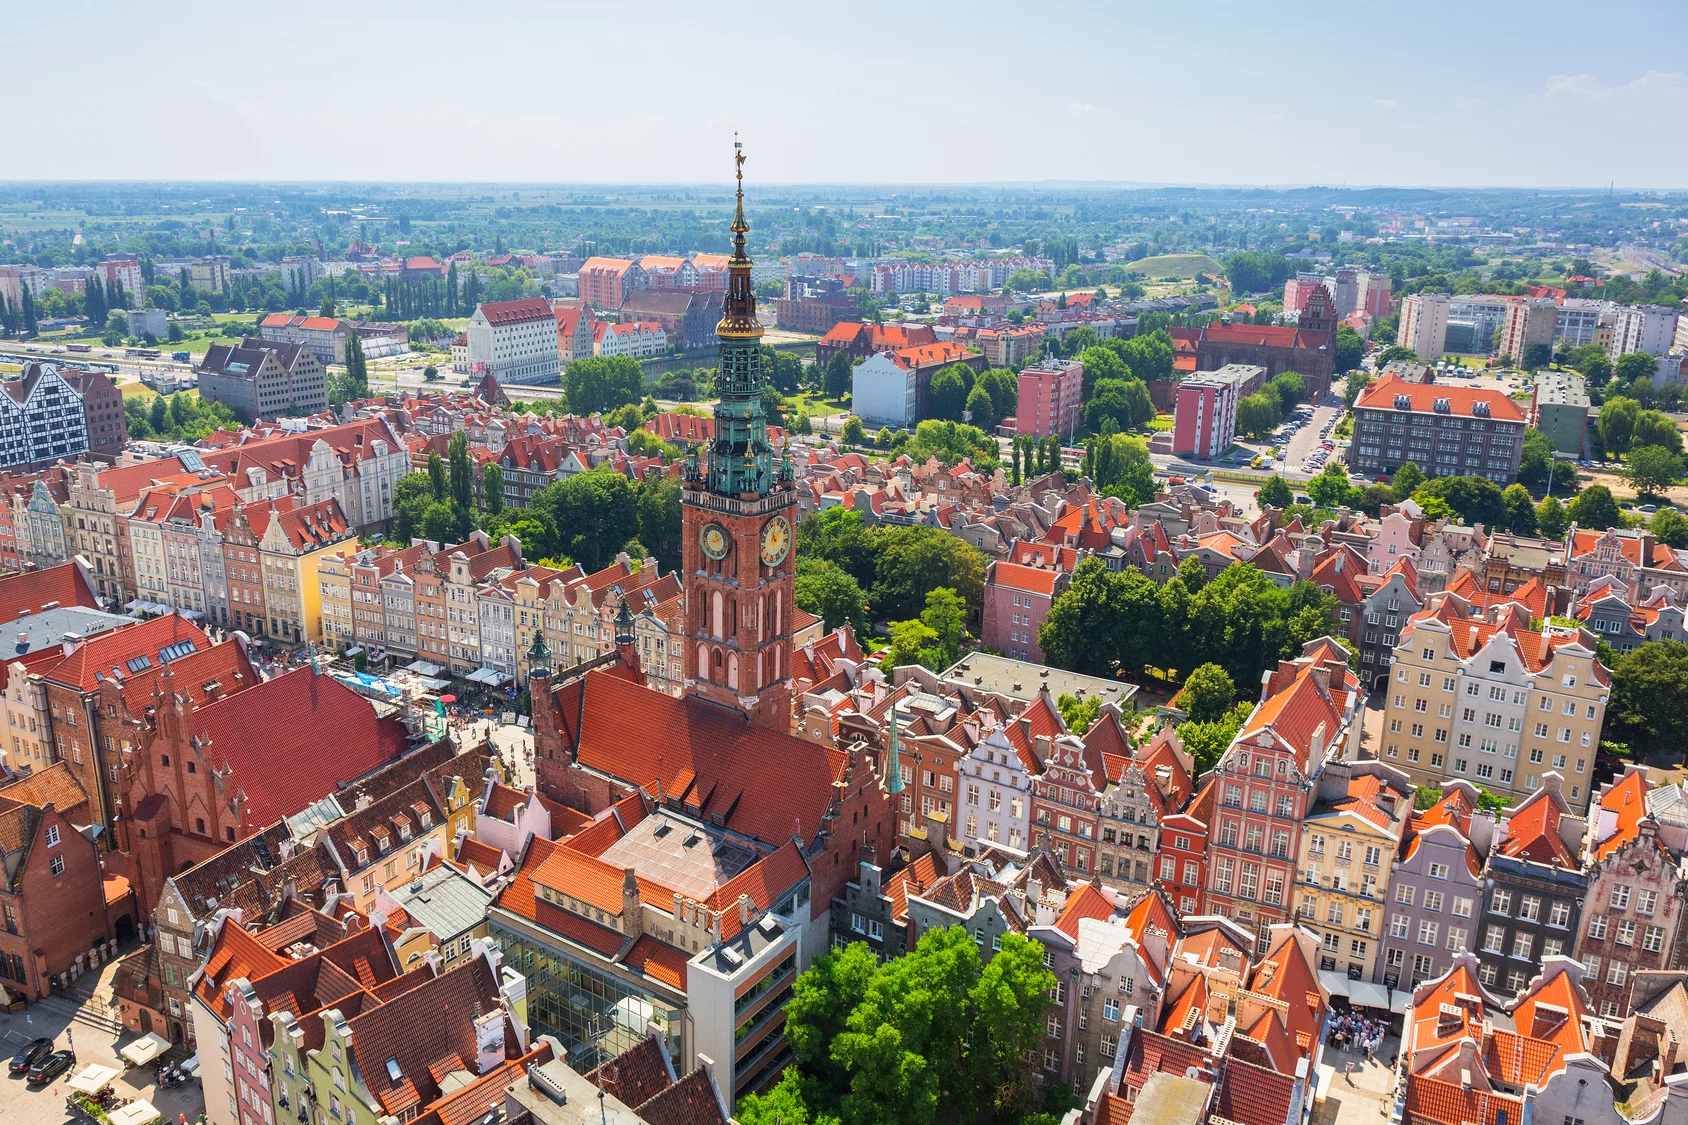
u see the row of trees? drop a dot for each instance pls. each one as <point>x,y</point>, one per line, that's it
<point>1119,466</point>
<point>848,571</point>
<point>1030,457</point>
<point>1110,622</point>
<point>1261,412</point>
<point>176,417</point>
<point>939,1034</point>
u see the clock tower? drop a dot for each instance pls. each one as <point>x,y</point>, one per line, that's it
<point>739,515</point>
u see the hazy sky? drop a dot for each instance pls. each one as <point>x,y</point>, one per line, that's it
<point>1481,92</point>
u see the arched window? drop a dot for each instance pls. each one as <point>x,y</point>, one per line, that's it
<point>702,669</point>
<point>717,614</point>
<point>732,670</point>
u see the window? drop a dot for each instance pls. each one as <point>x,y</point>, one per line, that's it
<point>1110,1009</point>
<point>57,865</point>
<point>1439,871</point>
<point>1529,908</point>
<point>1456,938</point>
<point>1654,939</point>
<point>1398,925</point>
<point>52,835</point>
<point>1522,944</point>
<point>1646,901</point>
<point>1617,973</point>
<point>1626,932</point>
<point>1620,897</point>
<point>1502,903</point>
<point>1053,1026</point>
<point>1404,894</point>
<point>1493,938</point>
<point>1560,915</point>
<point>1433,901</point>
<point>1597,928</point>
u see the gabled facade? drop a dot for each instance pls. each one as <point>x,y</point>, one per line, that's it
<point>1436,889</point>
<point>1535,889</point>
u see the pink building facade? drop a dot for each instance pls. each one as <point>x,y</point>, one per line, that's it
<point>1017,600</point>
<point>1204,416</point>
<point>1051,393</point>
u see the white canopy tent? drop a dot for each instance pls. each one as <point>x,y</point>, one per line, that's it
<point>135,1113</point>
<point>94,1079</point>
<point>1368,995</point>
<point>1335,983</point>
<point>145,1049</point>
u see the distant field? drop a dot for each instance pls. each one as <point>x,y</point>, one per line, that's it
<point>1182,266</point>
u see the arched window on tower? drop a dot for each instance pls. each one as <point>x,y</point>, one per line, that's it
<point>732,670</point>
<point>761,619</point>
<point>702,669</point>
<point>717,614</point>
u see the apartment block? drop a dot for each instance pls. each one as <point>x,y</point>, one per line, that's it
<point>515,341</point>
<point>1445,430</point>
<point>1051,398</point>
<point>1424,325</point>
<point>1643,328</point>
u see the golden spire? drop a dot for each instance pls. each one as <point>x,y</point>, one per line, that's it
<point>738,305</point>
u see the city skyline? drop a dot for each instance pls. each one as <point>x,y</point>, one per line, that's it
<point>1235,100</point>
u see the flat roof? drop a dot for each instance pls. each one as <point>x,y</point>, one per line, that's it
<point>689,856</point>
<point>45,628</point>
<point>1022,679</point>
<point>1172,1099</point>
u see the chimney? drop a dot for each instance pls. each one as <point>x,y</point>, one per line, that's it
<point>632,913</point>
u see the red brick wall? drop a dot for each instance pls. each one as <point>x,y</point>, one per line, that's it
<point>59,916</point>
<point>76,741</point>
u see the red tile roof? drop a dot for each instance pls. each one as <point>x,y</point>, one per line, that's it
<point>1449,1103</point>
<point>96,657</point>
<point>1382,394</point>
<point>1031,579</point>
<point>658,961</point>
<point>1086,902</point>
<point>278,765</point>
<point>1533,832</point>
<point>33,590</point>
<point>1627,802</point>
<point>763,783</point>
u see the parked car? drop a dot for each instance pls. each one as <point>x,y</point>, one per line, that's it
<point>51,1067</point>
<point>30,1054</point>
<point>1649,508</point>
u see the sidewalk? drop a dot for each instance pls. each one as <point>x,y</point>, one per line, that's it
<point>1363,1096</point>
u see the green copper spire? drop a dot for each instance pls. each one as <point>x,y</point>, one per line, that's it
<point>893,762</point>
<point>740,459</point>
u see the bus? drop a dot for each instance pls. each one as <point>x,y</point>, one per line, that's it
<point>79,347</point>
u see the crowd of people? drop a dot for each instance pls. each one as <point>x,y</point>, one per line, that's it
<point>1350,1031</point>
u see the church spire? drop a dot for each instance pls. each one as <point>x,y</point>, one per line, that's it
<point>893,762</point>
<point>738,306</point>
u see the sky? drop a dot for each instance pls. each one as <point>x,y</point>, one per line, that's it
<point>1428,93</point>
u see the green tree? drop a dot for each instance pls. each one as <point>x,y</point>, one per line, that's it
<point>828,591</point>
<point>159,414</point>
<point>1078,714</point>
<point>1551,518</point>
<point>1520,509</point>
<point>1670,527</point>
<point>1536,356</point>
<point>913,642</point>
<point>436,475</point>
<point>1328,489</point>
<point>1631,366</point>
<point>596,384</point>
<point>1537,459</point>
<point>462,471</point>
<point>981,409</point>
<point>1207,742</point>
<point>1656,429</point>
<point>594,515</point>
<point>357,367</point>
<point>1648,686</point>
<point>658,519</point>
<point>492,488</point>
<point>839,536</point>
<point>1358,381</point>
<point>946,615</point>
<point>1004,388</point>
<point>1291,390</point>
<point>1473,499</point>
<point>1258,415</point>
<point>1350,349</point>
<point>1083,628</point>
<point>1651,469</point>
<point>838,377</point>
<point>1408,479</point>
<point>915,560</point>
<point>1208,693</point>
<point>853,433</point>
<point>948,393</point>
<point>1617,423</point>
<point>1276,493</point>
<point>1594,508</point>
<point>1396,353</point>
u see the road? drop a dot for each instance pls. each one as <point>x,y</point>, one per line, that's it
<point>1306,441</point>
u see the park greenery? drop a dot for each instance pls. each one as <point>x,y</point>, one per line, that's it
<point>1110,623</point>
<point>893,569</point>
<point>943,1033</point>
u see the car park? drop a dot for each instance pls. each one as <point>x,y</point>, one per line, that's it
<point>30,1054</point>
<point>51,1067</point>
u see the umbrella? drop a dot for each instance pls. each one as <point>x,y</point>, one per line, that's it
<point>448,699</point>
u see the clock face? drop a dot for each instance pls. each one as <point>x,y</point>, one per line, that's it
<point>776,540</point>
<point>713,538</point>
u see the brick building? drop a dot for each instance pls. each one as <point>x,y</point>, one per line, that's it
<point>203,775</point>
<point>102,406</point>
<point>606,282</point>
<point>1307,349</point>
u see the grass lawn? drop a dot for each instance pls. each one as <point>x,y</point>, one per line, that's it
<point>1182,266</point>
<point>813,403</point>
